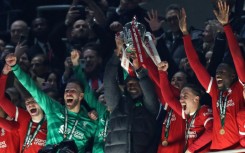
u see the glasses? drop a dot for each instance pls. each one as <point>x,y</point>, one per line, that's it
<point>71,91</point>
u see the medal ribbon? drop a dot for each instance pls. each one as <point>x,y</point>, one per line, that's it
<point>188,127</point>
<point>73,128</point>
<point>222,107</point>
<point>167,127</point>
<point>29,138</point>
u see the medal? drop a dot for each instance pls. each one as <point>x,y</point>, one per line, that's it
<point>222,131</point>
<point>164,143</point>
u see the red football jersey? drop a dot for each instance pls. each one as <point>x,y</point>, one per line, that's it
<point>199,133</point>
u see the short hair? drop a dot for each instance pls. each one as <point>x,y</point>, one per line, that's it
<point>76,81</point>
<point>195,89</point>
<point>175,7</point>
<point>93,46</point>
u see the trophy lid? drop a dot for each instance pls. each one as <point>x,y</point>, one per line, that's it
<point>127,31</point>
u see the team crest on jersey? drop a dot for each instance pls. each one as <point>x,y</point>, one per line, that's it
<point>209,112</point>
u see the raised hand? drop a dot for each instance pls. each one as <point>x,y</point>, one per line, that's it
<point>182,22</point>
<point>116,26</point>
<point>153,20</point>
<point>20,49</point>
<point>187,151</point>
<point>223,14</point>
<point>11,59</point>
<point>68,63</point>
<point>136,64</point>
<point>119,45</point>
<point>163,66</point>
<point>75,57</point>
<point>6,69</point>
<point>72,15</point>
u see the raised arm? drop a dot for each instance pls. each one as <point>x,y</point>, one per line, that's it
<point>167,89</point>
<point>8,125</point>
<point>8,107</point>
<point>88,92</point>
<point>200,71</point>
<point>45,102</point>
<point>112,90</point>
<point>223,17</point>
<point>150,99</point>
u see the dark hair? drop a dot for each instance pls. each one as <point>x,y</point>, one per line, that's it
<point>93,46</point>
<point>76,81</point>
<point>175,7</point>
<point>130,78</point>
<point>195,88</point>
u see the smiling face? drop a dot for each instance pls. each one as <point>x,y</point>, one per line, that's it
<point>189,100</point>
<point>225,76</point>
<point>178,80</point>
<point>133,88</point>
<point>73,96</point>
<point>32,107</point>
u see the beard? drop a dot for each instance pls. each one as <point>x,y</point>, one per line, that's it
<point>75,103</point>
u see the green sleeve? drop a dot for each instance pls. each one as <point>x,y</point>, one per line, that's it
<point>89,93</point>
<point>45,102</point>
<point>100,135</point>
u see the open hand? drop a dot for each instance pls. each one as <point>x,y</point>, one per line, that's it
<point>182,22</point>
<point>153,20</point>
<point>11,59</point>
<point>116,26</point>
<point>223,14</point>
<point>163,66</point>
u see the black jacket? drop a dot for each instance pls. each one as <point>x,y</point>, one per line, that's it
<point>132,125</point>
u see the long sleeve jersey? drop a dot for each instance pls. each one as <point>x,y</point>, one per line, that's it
<point>199,134</point>
<point>176,131</point>
<point>55,114</point>
<point>21,123</point>
<point>235,99</point>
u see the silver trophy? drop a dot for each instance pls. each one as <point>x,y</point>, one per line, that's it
<point>128,36</point>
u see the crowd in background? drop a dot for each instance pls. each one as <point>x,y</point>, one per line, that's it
<point>63,87</point>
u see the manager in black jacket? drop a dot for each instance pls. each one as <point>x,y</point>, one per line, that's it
<point>132,122</point>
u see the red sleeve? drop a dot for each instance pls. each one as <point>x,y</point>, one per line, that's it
<point>8,125</point>
<point>200,71</point>
<point>235,52</point>
<point>3,79</point>
<point>206,137</point>
<point>8,106</point>
<point>152,70</point>
<point>167,93</point>
<point>153,74</point>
